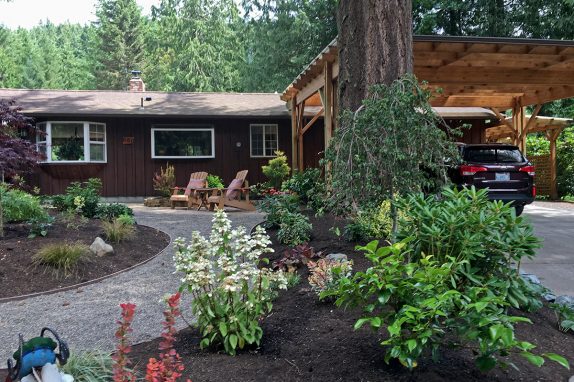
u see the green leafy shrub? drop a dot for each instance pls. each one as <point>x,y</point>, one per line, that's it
<point>126,219</point>
<point>63,257</point>
<point>119,229</point>
<point>277,170</point>
<point>214,181</point>
<point>276,206</point>
<point>374,223</point>
<point>165,180</point>
<point>464,224</point>
<point>19,206</point>
<point>89,366</point>
<point>424,301</point>
<point>294,229</point>
<point>231,293</point>
<point>110,211</point>
<point>82,197</point>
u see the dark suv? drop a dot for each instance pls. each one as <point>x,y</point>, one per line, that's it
<point>501,168</point>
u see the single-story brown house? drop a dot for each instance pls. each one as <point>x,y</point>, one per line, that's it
<point>124,137</point>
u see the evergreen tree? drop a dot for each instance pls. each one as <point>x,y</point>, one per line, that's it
<point>120,44</point>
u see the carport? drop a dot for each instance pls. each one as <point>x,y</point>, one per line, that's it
<point>499,74</point>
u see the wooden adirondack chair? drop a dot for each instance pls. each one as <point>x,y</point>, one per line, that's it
<point>190,196</point>
<point>235,195</point>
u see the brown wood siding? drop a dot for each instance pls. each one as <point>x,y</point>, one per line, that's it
<point>130,168</point>
<point>475,133</point>
<point>314,144</point>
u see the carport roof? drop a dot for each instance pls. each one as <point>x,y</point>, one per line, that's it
<point>474,71</point>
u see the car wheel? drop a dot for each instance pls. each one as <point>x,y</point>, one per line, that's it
<point>518,210</point>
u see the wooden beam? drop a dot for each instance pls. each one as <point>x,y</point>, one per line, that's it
<point>312,121</point>
<point>469,100</point>
<point>552,136</point>
<point>505,121</point>
<point>532,121</point>
<point>494,76</point>
<point>328,103</point>
<point>294,135</point>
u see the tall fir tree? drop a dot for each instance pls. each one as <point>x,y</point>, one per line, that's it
<point>120,42</point>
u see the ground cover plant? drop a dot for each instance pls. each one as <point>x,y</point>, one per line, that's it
<point>450,275</point>
<point>231,293</point>
<point>294,228</point>
<point>110,211</point>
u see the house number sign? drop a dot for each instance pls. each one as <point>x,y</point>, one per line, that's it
<point>128,140</point>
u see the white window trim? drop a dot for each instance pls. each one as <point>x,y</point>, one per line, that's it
<point>264,148</point>
<point>47,142</point>
<point>210,129</point>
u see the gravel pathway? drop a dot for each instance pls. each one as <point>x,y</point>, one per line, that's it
<point>86,317</point>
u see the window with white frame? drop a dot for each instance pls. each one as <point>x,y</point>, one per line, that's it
<point>264,140</point>
<point>182,142</point>
<point>72,141</point>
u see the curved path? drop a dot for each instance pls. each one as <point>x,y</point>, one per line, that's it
<point>86,318</point>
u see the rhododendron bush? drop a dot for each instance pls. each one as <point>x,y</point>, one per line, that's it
<point>230,292</point>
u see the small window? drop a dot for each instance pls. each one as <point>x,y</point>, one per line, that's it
<point>72,141</point>
<point>184,142</point>
<point>264,140</point>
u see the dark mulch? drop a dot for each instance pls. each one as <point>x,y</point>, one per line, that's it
<point>307,340</point>
<point>18,276</point>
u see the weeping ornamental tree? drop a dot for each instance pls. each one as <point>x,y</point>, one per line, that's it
<point>18,153</point>
<point>392,145</point>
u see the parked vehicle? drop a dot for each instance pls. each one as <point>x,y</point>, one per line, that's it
<point>501,168</point>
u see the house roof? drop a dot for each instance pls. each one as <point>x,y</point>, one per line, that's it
<point>472,71</point>
<point>118,103</point>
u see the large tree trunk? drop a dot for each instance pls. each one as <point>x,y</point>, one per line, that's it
<point>375,46</point>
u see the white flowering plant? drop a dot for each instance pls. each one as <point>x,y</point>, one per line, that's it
<point>231,293</point>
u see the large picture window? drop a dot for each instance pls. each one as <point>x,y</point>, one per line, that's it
<point>182,142</point>
<point>72,141</point>
<point>264,140</point>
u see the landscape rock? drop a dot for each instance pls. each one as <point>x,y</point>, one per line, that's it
<point>549,297</point>
<point>340,257</point>
<point>566,301</point>
<point>100,248</point>
<point>532,278</point>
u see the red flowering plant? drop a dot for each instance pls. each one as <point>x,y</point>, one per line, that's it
<point>169,367</point>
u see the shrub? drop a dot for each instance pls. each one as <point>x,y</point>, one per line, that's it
<point>82,197</point>
<point>62,256</point>
<point>293,279</point>
<point>90,366</point>
<point>375,223</point>
<point>564,316</point>
<point>19,206</point>
<point>118,229</point>
<point>231,293</point>
<point>277,170</point>
<point>214,181</point>
<point>464,224</point>
<point>276,206</point>
<point>165,180</point>
<point>423,301</point>
<point>303,183</point>
<point>326,274</point>
<point>294,229</point>
<point>126,219</point>
<point>110,211</point>
<point>169,367</point>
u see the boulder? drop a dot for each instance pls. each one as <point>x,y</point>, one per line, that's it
<point>340,257</point>
<point>566,301</point>
<point>100,248</point>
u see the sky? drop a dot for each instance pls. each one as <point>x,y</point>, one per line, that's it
<point>28,13</point>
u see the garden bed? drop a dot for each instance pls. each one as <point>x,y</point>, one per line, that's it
<point>19,276</point>
<point>305,339</point>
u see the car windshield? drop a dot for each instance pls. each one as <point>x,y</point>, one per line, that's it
<point>492,155</point>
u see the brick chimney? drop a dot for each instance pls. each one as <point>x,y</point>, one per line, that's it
<point>136,83</point>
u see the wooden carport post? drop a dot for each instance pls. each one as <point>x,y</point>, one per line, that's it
<point>552,136</point>
<point>294,136</point>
